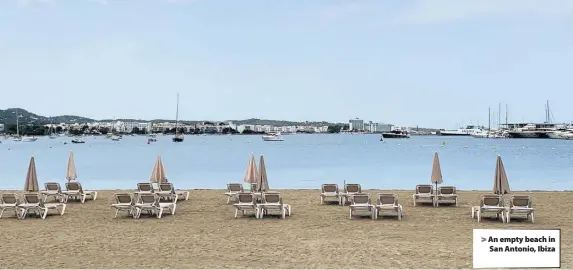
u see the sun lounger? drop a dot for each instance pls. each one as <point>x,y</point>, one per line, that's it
<point>492,204</point>
<point>349,191</point>
<point>424,194</point>
<point>272,201</point>
<point>232,190</point>
<point>330,191</point>
<point>361,203</point>
<point>388,203</point>
<point>521,205</point>
<point>75,190</point>
<point>246,202</point>
<point>9,201</point>
<point>53,189</point>
<point>123,203</point>
<point>167,192</point>
<point>144,188</point>
<point>169,188</point>
<point>447,194</point>
<point>181,193</point>
<point>148,202</point>
<point>34,204</point>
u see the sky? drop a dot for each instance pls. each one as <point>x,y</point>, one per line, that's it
<point>432,63</point>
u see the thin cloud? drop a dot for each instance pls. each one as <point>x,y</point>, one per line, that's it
<point>26,3</point>
<point>445,11</point>
<point>442,11</point>
<point>181,1</point>
<point>338,11</point>
<point>101,2</point>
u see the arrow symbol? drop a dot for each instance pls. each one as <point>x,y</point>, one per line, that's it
<point>483,239</point>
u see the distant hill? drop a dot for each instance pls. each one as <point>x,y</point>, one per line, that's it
<point>8,116</point>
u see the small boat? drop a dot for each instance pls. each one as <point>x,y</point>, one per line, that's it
<point>481,134</point>
<point>17,139</point>
<point>179,137</point>
<point>78,140</point>
<point>53,136</point>
<point>29,139</point>
<point>115,138</point>
<point>273,137</point>
<point>397,133</point>
<point>152,138</point>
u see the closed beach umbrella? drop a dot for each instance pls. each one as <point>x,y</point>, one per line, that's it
<point>32,178</point>
<point>501,184</point>
<point>251,173</point>
<point>262,183</point>
<point>71,173</point>
<point>158,175</point>
<point>436,172</point>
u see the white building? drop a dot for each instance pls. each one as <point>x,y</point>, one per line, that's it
<point>356,124</point>
<point>129,126</point>
<point>379,127</point>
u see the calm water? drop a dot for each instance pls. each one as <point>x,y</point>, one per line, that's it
<point>301,161</point>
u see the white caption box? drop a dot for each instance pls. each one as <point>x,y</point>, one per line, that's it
<point>506,248</point>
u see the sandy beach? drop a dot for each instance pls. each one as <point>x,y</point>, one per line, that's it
<point>204,234</point>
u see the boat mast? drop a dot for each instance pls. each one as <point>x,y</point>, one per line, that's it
<point>177,116</point>
<point>17,123</point>
<point>506,117</point>
<point>499,116</point>
<point>489,122</point>
<point>548,113</point>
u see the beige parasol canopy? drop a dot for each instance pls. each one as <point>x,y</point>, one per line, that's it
<point>251,174</point>
<point>71,173</point>
<point>501,184</point>
<point>31,184</point>
<point>262,183</point>
<point>436,170</point>
<point>158,175</point>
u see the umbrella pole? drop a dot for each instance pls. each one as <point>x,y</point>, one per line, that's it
<point>436,197</point>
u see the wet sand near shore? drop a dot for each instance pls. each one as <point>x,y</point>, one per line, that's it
<point>205,234</point>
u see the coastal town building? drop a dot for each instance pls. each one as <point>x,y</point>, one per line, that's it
<point>372,127</point>
<point>1,128</point>
<point>356,124</point>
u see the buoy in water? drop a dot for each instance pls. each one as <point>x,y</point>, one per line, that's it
<point>399,144</point>
<point>465,146</point>
<point>552,148</point>
<point>523,147</point>
<point>147,141</point>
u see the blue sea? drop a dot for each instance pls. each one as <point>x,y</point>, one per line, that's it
<point>298,162</point>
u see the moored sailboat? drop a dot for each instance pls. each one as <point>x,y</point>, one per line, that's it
<point>178,137</point>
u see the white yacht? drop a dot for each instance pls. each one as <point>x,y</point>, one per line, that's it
<point>115,138</point>
<point>481,134</point>
<point>274,137</point>
<point>467,131</point>
<point>78,140</point>
<point>29,139</point>
<point>567,135</point>
<point>152,138</point>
